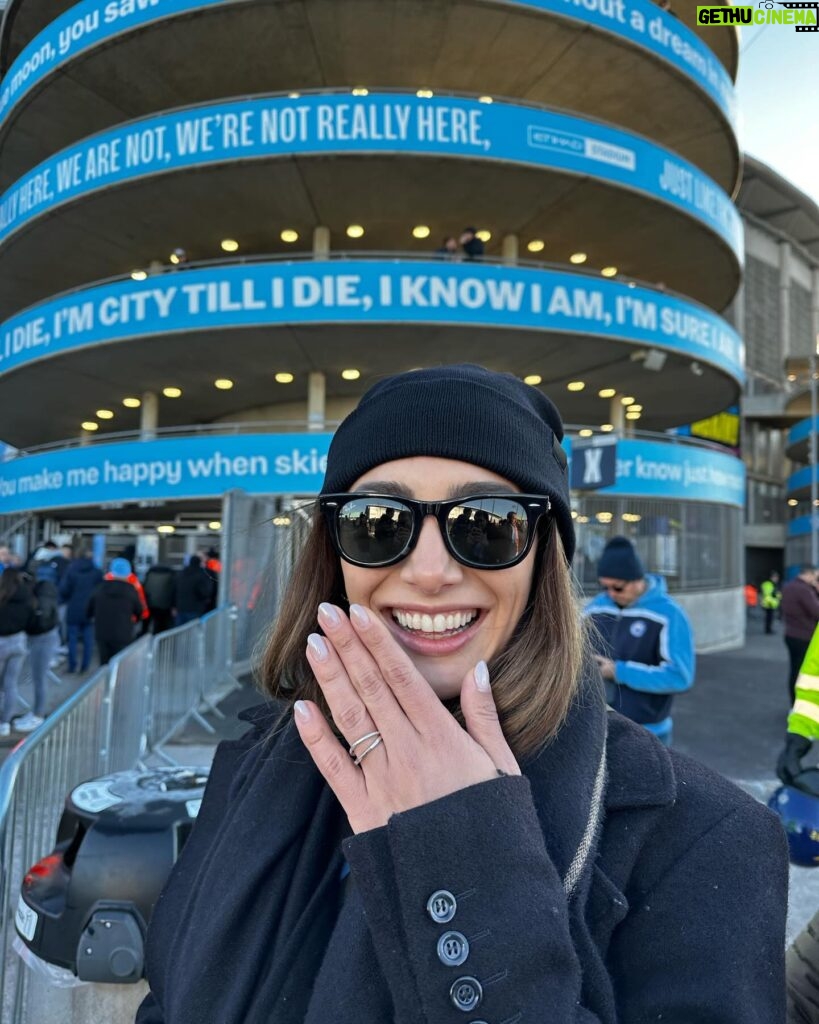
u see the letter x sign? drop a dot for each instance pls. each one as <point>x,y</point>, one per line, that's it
<point>593,465</point>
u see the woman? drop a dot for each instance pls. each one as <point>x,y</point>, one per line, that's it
<point>16,613</point>
<point>445,824</point>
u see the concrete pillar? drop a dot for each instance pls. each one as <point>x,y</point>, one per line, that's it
<point>617,415</point>
<point>321,242</point>
<point>510,248</point>
<point>784,301</point>
<point>316,399</point>
<point>149,415</point>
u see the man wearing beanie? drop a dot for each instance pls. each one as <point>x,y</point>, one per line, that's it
<point>645,644</point>
<point>115,607</point>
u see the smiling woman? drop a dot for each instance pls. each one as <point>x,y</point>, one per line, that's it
<point>435,814</point>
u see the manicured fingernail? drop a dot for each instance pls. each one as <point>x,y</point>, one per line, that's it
<point>302,710</point>
<point>318,646</point>
<point>359,615</point>
<point>329,614</point>
<point>482,676</point>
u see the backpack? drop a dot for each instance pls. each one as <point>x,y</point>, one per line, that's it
<point>46,614</point>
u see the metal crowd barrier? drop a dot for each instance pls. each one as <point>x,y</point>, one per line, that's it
<point>126,712</point>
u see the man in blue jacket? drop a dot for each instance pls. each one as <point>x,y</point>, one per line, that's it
<point>645,646</point>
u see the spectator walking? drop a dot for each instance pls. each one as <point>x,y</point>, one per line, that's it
<point>16,609</point>
<point>194,591</point>
<point>800,614</point>
<point>115,607</point>
<point>43,631</point>
<point>770,598</point>
<point>160,594</point>
<point>47,563</point>
<point>81,580</point>
<point>133,579</point>
<point>647,653</point>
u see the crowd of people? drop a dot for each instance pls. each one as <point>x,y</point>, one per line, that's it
<point>466,246</point>
<point>57,606</point>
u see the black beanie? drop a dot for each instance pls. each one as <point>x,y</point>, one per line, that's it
<point>620,561</point>
<point>461,412</point>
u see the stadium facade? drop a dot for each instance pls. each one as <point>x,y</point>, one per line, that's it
<point>219,224</point>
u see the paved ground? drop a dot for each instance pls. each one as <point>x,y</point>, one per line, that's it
<point>733,720</point>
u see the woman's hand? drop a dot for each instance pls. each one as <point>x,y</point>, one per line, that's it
<point>371,685</point>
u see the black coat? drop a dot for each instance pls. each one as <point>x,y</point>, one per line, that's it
<point>81,578</point>
<point>159,587</point>
<point>194,590</point>
<point>115,607</point>
<point>672,911</point>
<point>17,613</point>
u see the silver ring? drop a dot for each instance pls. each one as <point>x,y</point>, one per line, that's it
<point>363,739</point>
<point>366,750</point>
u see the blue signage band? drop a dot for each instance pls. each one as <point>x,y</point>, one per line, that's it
<point>339,124</point>
<point>369,291</point>
<point>92,23</point>
<point>176,469</point>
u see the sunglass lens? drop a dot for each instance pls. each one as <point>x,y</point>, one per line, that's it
<point>374,531</point>
<point>488,531</point>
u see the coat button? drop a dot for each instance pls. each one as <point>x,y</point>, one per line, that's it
<point>466,994</point>
<point>441,906</point>
<point>453,949</point>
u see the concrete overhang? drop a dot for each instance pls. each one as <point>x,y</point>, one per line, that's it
<point>73,386</point>
<point>120,228</point>
<point>475,46</point>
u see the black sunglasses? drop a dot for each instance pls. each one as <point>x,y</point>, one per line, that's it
<point>615,588</point>
<point>483,531</point>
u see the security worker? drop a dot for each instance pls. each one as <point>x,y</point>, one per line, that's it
<point>771,597</point>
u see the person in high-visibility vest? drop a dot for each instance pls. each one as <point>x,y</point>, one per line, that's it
<point>802,959</point>
<point>771,597</point>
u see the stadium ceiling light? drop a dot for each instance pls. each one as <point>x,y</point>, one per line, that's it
<point>633,415</point>
<point>791,377</point>
<point>536,245</point>
<point>578,257</point>
<point>483,234</point>
<point>132,403</point>
<point>628,399</point>
<point>173,258</point>
<point>104,414</point>
<point>229,244</point>
<point>607,427</point>
<point>485,99</point>
<point>89,425</point>
<point>138,275</point>
<point>609,271</point>
<point>575,385</point>
<point>607,392</point>
<point>361,91</point>
<point>355,231</point>
<point>289,236</point>
<point>294,95</point>
<point>172,392</point>
<point>792,502</point>
<point>585,432</point>
<point>351,374</point>
<point>534,379</point>
<point>284,378</point>
<point>223,383</point>
<point>420,231</point>
<point>425,94</point>
<point>634,408</point>
<point>166,528</point>
<point>215,525</point>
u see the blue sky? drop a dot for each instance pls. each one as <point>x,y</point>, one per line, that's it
<point>778,91</point>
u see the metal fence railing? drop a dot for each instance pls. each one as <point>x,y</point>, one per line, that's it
<point>126,712</point>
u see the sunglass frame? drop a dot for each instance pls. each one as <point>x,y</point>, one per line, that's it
<point>535,507</point>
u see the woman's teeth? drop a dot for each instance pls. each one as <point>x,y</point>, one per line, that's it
<point>434,623</point>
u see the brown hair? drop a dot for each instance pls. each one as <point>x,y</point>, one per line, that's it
<point>534,678</point>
